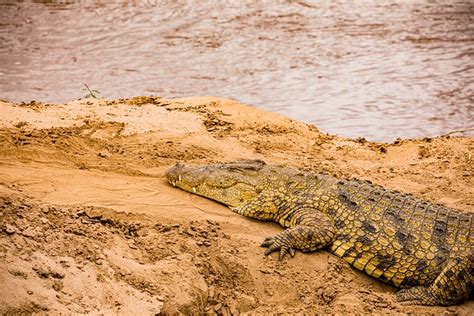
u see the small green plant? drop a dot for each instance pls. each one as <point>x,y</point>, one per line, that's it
<point>95,94</point>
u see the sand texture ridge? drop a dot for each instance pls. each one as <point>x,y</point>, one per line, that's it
<point>88,223</point>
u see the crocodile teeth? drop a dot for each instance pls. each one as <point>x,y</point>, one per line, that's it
<point>234,209</point>
<point>173,183</point>
<point>194,189</point>
<point>179,177</point>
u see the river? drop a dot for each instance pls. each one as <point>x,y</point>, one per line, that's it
<point>373,69</point>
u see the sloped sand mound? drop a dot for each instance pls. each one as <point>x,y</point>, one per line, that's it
<point>88,223</point>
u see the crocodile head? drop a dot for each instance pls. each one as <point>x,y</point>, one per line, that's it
<point>232,184</point>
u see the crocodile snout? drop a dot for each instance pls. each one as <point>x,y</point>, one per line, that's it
<point>173,174</point>
<point>182,176</point>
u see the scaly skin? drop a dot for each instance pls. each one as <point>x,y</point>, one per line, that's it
<point>424,249</point>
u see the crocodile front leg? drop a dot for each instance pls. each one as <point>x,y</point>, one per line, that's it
<point>309,230</point>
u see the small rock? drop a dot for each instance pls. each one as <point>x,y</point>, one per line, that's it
<point>41,271</point>
<point>247,301</point>
<point>9,229</point>
<point>56,274</point>
<point>381,304</point>
<point>29,292</point>
<point>103,154</point>
<point>211,292</point>
<point>211,222</point>
<point>58,286</point>
<point>45,209</point>
<point>212,301</point>
<point>29,232</point>
<point>218,306</point>
<point>319,292</point>
<point>234,311</point>
<point>44,220</point>
<point>225,311</point>
<point>66,263</point>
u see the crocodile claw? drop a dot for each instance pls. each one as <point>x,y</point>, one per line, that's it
<point>273,244</point>
<point>267,242</point>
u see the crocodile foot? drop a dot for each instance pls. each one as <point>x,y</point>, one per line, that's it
<point>280,243</point>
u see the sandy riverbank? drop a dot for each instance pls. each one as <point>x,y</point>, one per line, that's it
<point>89,224</point>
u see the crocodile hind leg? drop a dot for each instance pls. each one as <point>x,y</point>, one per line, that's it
<point>309,230</point>
<point>452,286</point>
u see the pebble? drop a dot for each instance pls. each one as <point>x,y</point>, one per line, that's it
<point>9,229</point>
<point>29,232</point>
<point>102,154</point>
<point>65,263</point>
<point>225,311</point>
<point>211,292</point>
<point>29,292</point>
<point>234,311</point>
<point>319,292</point>
<point>58,286</point>
<point>381,304</point>
<point>212,301</point>
<point>218,306</point>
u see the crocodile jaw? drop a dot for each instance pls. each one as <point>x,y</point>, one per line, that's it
<point>217,182</point>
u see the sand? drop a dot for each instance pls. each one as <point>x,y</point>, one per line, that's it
<point>88,223</point>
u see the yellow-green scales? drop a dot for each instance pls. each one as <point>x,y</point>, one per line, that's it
<point>425,249</point>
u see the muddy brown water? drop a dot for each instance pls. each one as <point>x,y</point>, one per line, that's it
<point>376,69</point>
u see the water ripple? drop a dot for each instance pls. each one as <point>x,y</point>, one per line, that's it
<point>379,70</point>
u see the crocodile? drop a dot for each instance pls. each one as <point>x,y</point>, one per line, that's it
<point>422,248</point>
